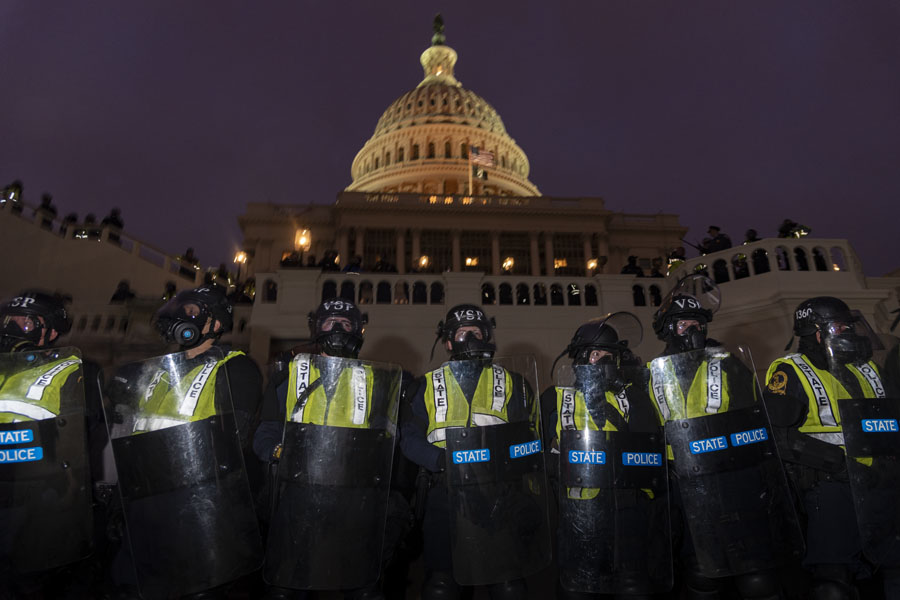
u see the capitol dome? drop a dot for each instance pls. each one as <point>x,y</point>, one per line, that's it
<point>421,141</point>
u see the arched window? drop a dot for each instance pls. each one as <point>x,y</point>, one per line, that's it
<point>720,271</point>
<point>430,149</point>
<point>365,293</point>
<point>522,294</point>
<point>242,325</point>
<point>505,293</point>
<point>329,290</point>
<point>782,256</point>
<point>414,153</point>
<point>270,291</point>
<point>348,291</point>
<point>487,293</point>
<point>740,266</point>
<point>448,152</point>
<point>399,155</point>
<point>655,295</point>
<point>503,161</point>
<point>376,162</point>
<point>383,293</point>
<point>420,293</point>
<point>590,295</point>
<point>437,293</point>
<point>387,159</point>
<point>574,294</point>
<point>760,260</point>
<point>463,150</point>
<point>401,293</point>
<point>637,293</point>
<point>95,323</point>
<point>556,295</point>
<point>819,259</point>
<point>540,294</point>
<point>82,323</point>
<point>838,261</point>
<point>800,257</point>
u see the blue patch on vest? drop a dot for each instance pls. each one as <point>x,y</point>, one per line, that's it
<point>16,436</point>
<point>641,459</point>
<point>16,455</point>
<point>879,425</point>
<point>753,436</point>
<point>520,450</point>
<point>593,457</point>
<point>461,457</point>
<point>709,445</point>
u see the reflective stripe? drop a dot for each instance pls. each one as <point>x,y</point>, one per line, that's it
<point>156,423</point>
<point>624,406</point>
<point>567,411</point>
<point>440,395</point>
<point>713,385</point>
<point>302,361</point>
<point>360,399</point>
<point>871,376</point>
<point>826,416</point>
<point>188,403</point>
<point>574,493</point>
<point>438,435</point>
<point>499,389</point>
<point>832,438</point>
<point>153,383</point>
<point>36,390</point>
<point>480,420</point>
<point>32,411</point>
<point>659,395</point>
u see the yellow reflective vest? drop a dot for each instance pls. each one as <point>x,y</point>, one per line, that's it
<point>447,406</point>
<point>166,403</point>
<point>349,406</point>
<point>34,394</point>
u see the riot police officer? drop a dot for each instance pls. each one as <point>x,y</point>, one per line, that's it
<point>45,518</point>
<point>340,413</point>
<point>833,362</point>
<point>471,391</point>
<point>609,537</point>
<point>702,392</point>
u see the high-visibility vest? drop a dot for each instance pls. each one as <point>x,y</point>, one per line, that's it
<point>34,394</point>
<point>573,414</point>
<point>349,406</point>
<point>193,398</point>
<point>447,406</point>
<point>823,390</point>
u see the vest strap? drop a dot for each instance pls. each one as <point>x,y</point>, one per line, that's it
<point>871,377</point>
<point>36,390</point>
<point>499,388</point>
<point>713,385</point>
<point>440,395</point>
<point>32,411</point>
<point>360,397</point>
<point>189,401</point>
<point>567,410</point>
<point>826,416</point>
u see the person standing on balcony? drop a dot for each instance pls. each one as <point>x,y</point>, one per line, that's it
<point>632,268</point>
<point>715,241</point>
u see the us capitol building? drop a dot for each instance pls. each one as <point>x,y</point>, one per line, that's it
<point>415,233</point>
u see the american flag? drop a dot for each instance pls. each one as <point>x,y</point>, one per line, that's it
<point>481,157</point>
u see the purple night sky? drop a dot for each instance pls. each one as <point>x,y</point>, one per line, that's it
<point>731,113</point>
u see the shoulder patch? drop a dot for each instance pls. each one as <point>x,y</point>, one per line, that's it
<point>777,383</point>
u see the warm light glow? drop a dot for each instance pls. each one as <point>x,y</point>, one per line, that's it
<point>592,264</point>
<point>467,200</point>
<point>559,263</point>
<point>423,261</point>
<point>448,200</point>
<point>302,240</point>
<point>240,257</point>
<point>836,268</point>
<point>508,263</point>
<point>471,261</point>
<point>432,199</point>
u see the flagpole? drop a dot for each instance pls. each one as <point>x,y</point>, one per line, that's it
<point>469,153</point>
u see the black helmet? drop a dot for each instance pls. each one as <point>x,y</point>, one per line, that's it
<point>467,315</point>
<point>341,342</point>
<point>611,333</point>
<point>32,303</point>
<point>843,331</point>
<point>694,298</point>
<point>181,319</point>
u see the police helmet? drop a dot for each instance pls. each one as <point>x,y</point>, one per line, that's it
<point>336,338</point>
<point>470,347</point>
<point>32,303</point>
<point>844,332</point>
<point>814,314</point>
<point>181,319</point>
<point>611,333</point>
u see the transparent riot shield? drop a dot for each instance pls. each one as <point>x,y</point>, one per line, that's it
<point>868,415</point>
<point>45,497</point>
<point>188,508</point>
<point>614,534</point>
<point>498,494</point>
<point>333,484</point>
<point>728,476</point>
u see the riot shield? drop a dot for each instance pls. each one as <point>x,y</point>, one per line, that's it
<point>188,508</point>
<point>614,534</point>
<point>729,478</point>
<point>45,497</point>
<point>498,495</point>
<point>327,527</point>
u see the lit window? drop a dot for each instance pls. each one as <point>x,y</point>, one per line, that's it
<point>559,263</point>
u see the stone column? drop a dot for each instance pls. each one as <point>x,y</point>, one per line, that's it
<point>588,251</point>
<point>360,242</point>
<point>344,246</point>
<point>535,254</point>
<point>495,253</point>
<point>456,257</point>
<point>602,250</point>
<point>416,247</point>
<point>401,251</point>
<point>548,253</point>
